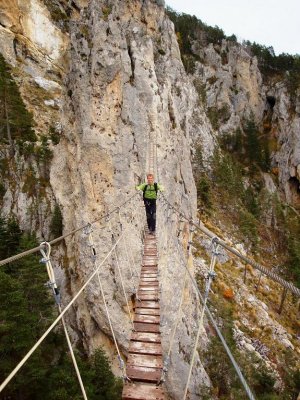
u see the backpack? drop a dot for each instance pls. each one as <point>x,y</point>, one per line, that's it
<point>145,188</point>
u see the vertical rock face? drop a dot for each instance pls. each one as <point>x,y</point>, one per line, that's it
<point>35,48</point>
<point>126,87</point>
<point>121,87</point>
<point>234,87</point>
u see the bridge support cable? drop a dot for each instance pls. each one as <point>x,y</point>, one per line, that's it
<point>130,260</point>
<point>211,318</point>
<point>60,238</point>
<point>178,315</point>
<point>59,318</point>
<point>52,284</point>
<point>288,285</point>
<point>215,326</point>
<point>94,259</point>
<point>122,282</point>
<point>210,277</point>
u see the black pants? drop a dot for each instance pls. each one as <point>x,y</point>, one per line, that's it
<point>150,206</point>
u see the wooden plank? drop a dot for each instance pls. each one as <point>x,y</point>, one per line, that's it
<point>139,391</point>
<point>151,328</point>
<point>145,280</point>
<point>145,348</point>
<point>152,272</point>
<point>150,257</point>
<point>149,288</point>
<point>153,282</point>
<point>144,360</point>
<point>152,297</point>
<point>152,269</point>
<point>146,319</point>
<point>144,364</point>
<point>148,275</point>
<point>149,263</point>
<point>152,266</point>
<point>144,374</point>
<point>146,337</point>
<point>147,304</point>
<point>149,270</point>
<point>147,311</point>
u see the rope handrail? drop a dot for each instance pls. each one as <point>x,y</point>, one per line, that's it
<point>219,333</point>
<point>288,285</point>
<point>94,257</point>
<point>46,333</point>
<point>53,285</point>
<point>58,239</point>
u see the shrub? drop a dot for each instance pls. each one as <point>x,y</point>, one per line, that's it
<point>212,113</point>
<point>200,88</point>
<point>189,63</point>
<point>43,153</point>
<point>106,12</point>
<point>218,115</point>
<point>203,191</point>
<point>248,226</point>
<point>26,311</point>
<point>56,225</point>
<point>228,294</point>
<point>54,135</point>
<point>15,120</point>
<point>2,190</point>
<point>228,175</point>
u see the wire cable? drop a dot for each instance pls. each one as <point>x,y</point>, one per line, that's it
<point>264,270</point>
<point>46,333</point>
<point>53,286</point>
<point>60,238</point>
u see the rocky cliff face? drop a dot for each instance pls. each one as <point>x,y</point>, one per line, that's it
<point>123,85</point>
<point>124,57</point>
<point>235,88</point>
<point>36,49</point>
<point>108,85</point>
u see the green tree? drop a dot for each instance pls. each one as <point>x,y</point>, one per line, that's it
<point>228,175</point>
<point>253,148</point>
<point>56,225</point>
<point>27,309</point>
<point>15,121</point>
<point>203,192</point>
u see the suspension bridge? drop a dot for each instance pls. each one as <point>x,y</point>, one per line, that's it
<point>146,366</point>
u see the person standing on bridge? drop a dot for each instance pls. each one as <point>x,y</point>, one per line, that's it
<point>150,190</point>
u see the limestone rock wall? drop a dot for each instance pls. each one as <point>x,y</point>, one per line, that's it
<point>234,86</point>
<point>126,87</point>
<point>109,84</point>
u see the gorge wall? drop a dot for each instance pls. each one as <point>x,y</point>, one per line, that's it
<point>107,77</point>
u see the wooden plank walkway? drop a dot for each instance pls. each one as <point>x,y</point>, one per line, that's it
<point>144,363</point>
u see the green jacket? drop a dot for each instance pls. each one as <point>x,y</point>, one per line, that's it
<point>150,191</point>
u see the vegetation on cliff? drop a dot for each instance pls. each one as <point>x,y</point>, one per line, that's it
<point>189,29</point>
<point>27,309</point>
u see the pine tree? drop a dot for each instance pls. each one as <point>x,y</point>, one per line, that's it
<point>56,225</point>
<point>253,147</point>
<point>27,309</point>
<point>15,121</point>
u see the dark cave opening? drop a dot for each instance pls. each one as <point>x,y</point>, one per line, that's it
<point>294,184</point>
<point>271,101</point>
